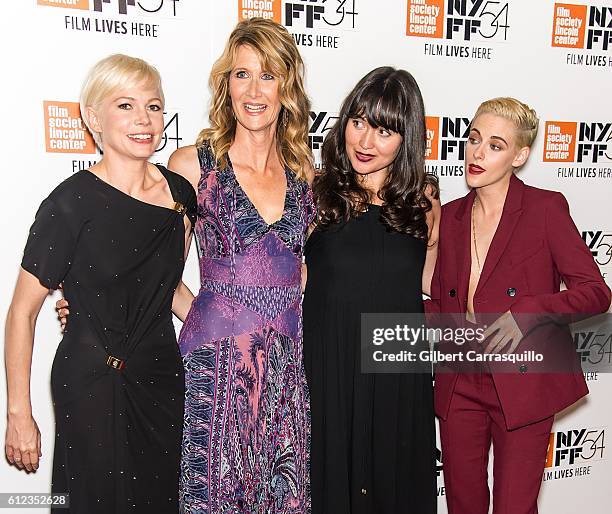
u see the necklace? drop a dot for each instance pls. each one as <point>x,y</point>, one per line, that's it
<point>474,238</point>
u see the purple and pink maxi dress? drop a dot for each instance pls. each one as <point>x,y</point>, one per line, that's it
<point>247,425</point>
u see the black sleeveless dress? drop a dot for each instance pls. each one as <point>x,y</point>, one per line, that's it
<point>117,377</point>
<point>373,435</point>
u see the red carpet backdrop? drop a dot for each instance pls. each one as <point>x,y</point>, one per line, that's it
<point>557,57</point>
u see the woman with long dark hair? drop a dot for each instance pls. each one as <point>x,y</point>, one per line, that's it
<point>372,250</point>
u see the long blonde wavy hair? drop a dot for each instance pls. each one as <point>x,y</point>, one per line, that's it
<point>278,55</point>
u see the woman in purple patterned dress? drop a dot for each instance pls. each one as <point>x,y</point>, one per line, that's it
<point>247,423</point>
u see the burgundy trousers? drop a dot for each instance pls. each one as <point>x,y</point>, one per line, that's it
<point>475,420</point>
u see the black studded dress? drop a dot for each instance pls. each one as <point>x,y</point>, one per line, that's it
<point>117,378</point>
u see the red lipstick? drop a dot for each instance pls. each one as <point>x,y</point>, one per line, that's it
<point>474,169</point>
<point>363,157</point>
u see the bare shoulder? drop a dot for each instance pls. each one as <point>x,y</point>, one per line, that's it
<point>184,161</point>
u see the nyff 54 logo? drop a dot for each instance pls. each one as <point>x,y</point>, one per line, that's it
<point>309,14</point>
<point>439,470</point>
<point>320,124</point>
<point>594,348</point>
<point>582,26</point>
<point>575,447</point>
<point>600,244</point>
<point>167,7</point>
<point>463,20</point>
<point>570,141</point>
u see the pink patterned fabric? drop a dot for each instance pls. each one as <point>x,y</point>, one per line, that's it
<point>247,421</point>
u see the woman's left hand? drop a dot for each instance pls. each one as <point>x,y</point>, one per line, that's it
<point>61,307</point>
<point>503,332</point>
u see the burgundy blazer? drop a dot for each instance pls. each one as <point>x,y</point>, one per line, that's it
<point>535,247</point>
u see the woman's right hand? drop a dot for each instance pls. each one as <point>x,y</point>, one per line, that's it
<point>22,445</point>
<point>22,440</point>
<point>61,306</point>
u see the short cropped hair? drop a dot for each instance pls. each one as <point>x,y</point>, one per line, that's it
<point>521,115</point>
<point>111,74</point>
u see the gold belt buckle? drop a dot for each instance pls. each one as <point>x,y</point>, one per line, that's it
<point>115,363</point>
<point>180,208</point>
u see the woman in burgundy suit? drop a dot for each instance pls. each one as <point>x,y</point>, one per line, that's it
<point>505,248</point>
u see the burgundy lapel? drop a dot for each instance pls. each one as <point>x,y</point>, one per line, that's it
<point>463,247</point>
<point>509,218</point>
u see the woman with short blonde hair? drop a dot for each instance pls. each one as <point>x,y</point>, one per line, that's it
<point>504,250</point>
<point>111,74</point>
<point>114,236</point>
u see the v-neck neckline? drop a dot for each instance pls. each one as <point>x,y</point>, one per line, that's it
<point>252,205</point>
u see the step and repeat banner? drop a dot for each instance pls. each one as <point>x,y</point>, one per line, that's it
<point>557,57</point>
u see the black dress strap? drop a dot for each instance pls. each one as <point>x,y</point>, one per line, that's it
<point>182,193</point>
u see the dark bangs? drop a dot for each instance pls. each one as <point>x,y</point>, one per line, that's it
<point>390,99</point>
<point>379,102</point>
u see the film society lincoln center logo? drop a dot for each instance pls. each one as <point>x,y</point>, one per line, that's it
<point>305,19</point>
<point>65,131</point>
